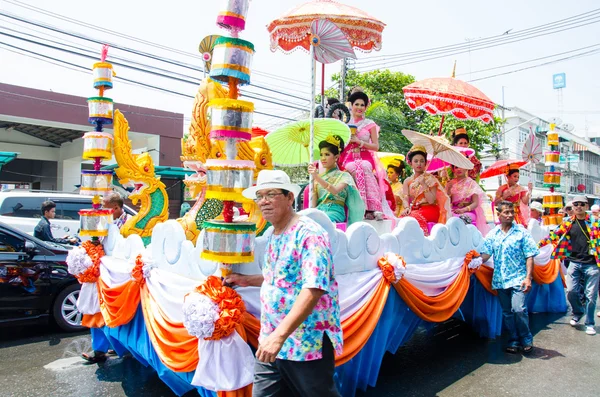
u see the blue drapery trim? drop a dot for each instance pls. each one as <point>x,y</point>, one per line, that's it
<point>133,337</point>
<point>482,311</point>
<point>547,298</point>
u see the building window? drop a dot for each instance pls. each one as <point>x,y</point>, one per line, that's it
<point>523,134</point>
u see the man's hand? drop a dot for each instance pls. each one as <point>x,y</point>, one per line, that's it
<point>244,280</point>
<point>269,349</point>
<point>526,285</point>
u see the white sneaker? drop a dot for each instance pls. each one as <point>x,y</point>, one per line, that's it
<point>574,321</point>
<point>590,330</point>
<point>598,314</point>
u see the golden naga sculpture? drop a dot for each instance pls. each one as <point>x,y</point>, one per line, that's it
<point>137,171</point>
<point>197,147</point>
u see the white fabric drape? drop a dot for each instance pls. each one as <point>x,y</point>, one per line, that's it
<point>433,278</point>
<point>114,271</point>
<point>544,256</point>
<point>224,365</point>
<point>168,290</point>
<point>88,302</point>
<point>355,290</point>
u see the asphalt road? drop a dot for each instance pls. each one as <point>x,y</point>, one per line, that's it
<point>451,362</point>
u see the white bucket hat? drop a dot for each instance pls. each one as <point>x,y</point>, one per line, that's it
<point>536,205</point>
<point>271,179</point>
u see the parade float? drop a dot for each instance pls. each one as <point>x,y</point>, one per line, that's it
<point>162,298</point>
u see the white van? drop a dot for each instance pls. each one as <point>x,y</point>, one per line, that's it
<point>21,209</point>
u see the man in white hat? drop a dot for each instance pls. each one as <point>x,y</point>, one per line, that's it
<point>536,211</point>
<point>578,238</point>
<point>300,315</point>
<point>595,211</point>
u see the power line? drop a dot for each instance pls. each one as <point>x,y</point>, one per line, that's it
<point>418,59</point>
<point>490,39</point>
<point>126,49</point>
<point>136,39</point>
<point>248,94</point>
<point>134,82</point>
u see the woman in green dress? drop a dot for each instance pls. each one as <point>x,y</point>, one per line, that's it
<point>333,190</point>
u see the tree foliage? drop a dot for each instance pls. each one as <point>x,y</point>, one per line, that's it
<point>390,111</point>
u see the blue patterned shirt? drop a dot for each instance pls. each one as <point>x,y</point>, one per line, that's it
<point>300,258</point>
<point>510,252</point>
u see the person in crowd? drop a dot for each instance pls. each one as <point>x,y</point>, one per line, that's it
<point>300,314</point>
<point>467,198</point>
<point>358,158</point>
<point>395,173</point>
<point>460,138</point>
<point>568,209</point>
<point>424,198</point>
<point>595,211</point>
<point>536,211</point>
<point>115,202</point>
<point>513,250</point>
<point>43,229</point>
<point>516,194</point>
<point>334,191</point>
<point>578,239</point>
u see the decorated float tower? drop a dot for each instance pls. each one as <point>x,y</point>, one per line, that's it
<point>552,201</point>
<point>226,241</point>
<point>97,146</point>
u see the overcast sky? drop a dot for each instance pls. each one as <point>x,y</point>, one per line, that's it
<point>411,26</point>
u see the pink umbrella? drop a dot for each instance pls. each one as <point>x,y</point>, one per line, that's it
<point>436,164</point>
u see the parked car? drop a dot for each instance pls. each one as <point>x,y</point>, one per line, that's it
<point>35,285</point>
<point>22,210</point>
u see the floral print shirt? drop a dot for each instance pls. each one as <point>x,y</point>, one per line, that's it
<point>297,259</point>
<point>510,252</point>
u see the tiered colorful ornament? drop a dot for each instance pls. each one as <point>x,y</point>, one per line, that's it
<point>552,201</point>
<point>226,241</point>
<point>97,146</point>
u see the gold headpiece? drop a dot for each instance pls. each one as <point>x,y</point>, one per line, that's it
<point>460,131</point>
<point>396,163</point>
<point>417,148</point>
<point>334,140</point>
<point>512,167</point>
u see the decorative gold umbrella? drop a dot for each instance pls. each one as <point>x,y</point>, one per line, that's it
<point>439,147</point>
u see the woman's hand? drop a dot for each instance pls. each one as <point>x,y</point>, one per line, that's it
<point>313,170</point>
<point>354,139</point>
<point>405,212</point>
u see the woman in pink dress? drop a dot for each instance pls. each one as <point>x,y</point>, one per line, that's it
<point>515,193</point>
<point>461,138</point>
<point>467,198</point>
<point>358,158</point>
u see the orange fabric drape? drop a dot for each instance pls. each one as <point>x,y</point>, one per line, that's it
<point>357,329</point>
<point>118,304</point>
<point>93,320</point>
<point>177,349</point>
<point>243,392</point>
<point>435,308</point>
<point>546,274</point>
<point>484,275</point>
<point>251,326</point>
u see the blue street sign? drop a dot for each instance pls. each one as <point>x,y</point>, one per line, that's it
<point>559,80</point>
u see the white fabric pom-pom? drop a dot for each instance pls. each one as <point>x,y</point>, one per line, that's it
<point>397,263</point>
<point>199,315</point>
<point>149,263</point>
<point>78,261</point>
<point>475,263</point>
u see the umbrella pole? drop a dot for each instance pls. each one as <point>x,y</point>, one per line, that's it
<point>441,124</point>
<point>323,86</point>
<point>313,83</point>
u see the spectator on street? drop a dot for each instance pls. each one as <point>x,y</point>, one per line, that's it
<point>536,211</point>
<point>115,202</point>
<point>513,249</point>
<point>595,211</point>
<point>300,315</point>
<point>569,209</point>
<point>43,230</point>
<point>578,238</point>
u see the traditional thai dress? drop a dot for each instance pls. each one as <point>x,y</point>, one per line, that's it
<point>398,193</point>
<point>349,199</point>
<point>366,170</point>
<point>420,209</point>
<point>522,213</point>
<point>461,192</point>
